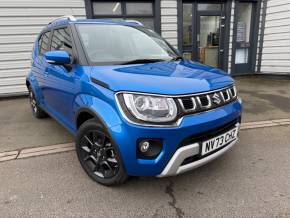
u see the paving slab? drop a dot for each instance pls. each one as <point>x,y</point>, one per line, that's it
<point>19,129</point>
<point>265,98</point>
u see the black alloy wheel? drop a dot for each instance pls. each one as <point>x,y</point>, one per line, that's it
<point>98,155</point>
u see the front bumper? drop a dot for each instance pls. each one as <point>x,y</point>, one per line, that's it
<point>168,162</point>
<point>175,165</point>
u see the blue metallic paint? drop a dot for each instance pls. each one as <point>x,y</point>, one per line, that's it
<point>58,57</point>
<point>185,76</point>
<point>65,94</point>
<point>126,136</point>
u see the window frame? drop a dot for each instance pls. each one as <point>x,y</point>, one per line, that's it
<point>156,11</point>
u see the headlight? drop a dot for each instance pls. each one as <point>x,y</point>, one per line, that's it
<point>149,108</point>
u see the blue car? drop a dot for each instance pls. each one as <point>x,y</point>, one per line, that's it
<point>134,105</point>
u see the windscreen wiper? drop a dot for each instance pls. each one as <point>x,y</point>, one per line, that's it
<point>142,61</point>
<point>177,58</point>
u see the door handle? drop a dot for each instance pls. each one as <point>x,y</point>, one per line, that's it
<point>221,51</point>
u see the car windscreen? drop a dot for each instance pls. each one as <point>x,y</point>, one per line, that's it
<point>120,44</point>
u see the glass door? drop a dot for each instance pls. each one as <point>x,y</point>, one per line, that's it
<point>203,32</point>
<point>244,35</point>
<point>208,40</point>
<point>188,30</point>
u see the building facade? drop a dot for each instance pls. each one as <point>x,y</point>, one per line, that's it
<point>238,36</point>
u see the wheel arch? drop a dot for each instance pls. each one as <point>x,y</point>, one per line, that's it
<point>88,106</point>
<point>33,84</point>
<point>91,113</point>
<point>27,82</point>
<point>85,114</point>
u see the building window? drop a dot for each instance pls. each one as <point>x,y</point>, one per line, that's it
<point>107,8</point>
<point>126,10</point>
<point>243,33</point>
<point>187,24</point>
<point>139,8</point>
<point>246,30</point>
<point>209,7</point>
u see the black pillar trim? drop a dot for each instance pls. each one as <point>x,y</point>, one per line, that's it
<point>89,9</point>
<point>157,15</point>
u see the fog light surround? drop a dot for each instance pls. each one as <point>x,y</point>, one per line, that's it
<point>149,148</point>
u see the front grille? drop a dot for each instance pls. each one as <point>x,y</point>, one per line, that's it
<point>202,102</point>
<point>187,103</point>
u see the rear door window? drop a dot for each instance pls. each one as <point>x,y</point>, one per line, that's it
<point>43,43</point>
<point>61,40</point>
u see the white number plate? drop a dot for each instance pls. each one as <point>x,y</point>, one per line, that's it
<point>219,141</point>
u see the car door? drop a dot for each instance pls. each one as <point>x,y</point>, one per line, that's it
<point>39,63</point>
<point>61,81</point>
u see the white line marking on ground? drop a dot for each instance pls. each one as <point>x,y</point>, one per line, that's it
<point>45,148</point>
<point>58,148</point>
<point>33,152</point>
<point>9,155</point>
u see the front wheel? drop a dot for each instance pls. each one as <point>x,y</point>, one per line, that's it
<point>98,155</point>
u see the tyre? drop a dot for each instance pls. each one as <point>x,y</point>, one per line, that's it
<point>98,155</point>
<point>36,110</point>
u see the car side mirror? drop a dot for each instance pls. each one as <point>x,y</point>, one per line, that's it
<point>57,57</point>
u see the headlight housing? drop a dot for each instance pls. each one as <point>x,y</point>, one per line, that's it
<point>148,108</point>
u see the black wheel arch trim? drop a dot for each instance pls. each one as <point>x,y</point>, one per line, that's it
<point>27,82</point>
<point>93,113</point>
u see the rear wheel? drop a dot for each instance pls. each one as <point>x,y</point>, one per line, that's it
<point>98,155</point>
<point>36,110</point>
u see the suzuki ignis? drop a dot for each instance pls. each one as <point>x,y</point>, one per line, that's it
<point>134,105</point>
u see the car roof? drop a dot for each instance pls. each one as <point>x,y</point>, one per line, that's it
<point>65,21</point>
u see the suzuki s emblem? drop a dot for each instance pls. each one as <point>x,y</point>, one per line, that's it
<point>216,98</point>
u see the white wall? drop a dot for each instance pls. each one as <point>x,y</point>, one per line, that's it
<point>231,36</point>
<point>276,45</point>
<point>169,21</point>
<point>20,22</point>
